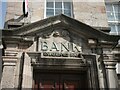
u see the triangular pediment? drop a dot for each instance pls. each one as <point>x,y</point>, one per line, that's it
<point>65,23</point>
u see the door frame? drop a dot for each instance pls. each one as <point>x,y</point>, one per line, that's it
<point>90,68</point>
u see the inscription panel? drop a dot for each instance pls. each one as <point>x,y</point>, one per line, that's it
<point>59,44</point>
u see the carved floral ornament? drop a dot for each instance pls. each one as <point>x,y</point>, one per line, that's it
<point>56,33</point>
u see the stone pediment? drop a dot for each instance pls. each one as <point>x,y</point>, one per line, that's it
<point>61,22</point>
<point>58,44</point>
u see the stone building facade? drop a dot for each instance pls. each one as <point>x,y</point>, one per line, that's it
<point>59,52</point>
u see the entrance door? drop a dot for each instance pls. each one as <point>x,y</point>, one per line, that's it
<point>52,81</point>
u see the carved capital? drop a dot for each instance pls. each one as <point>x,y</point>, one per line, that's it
<point>9,61</point>
<point>109,61</point>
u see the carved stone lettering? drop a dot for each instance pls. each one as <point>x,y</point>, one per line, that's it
<point>44,46</point>
<point>66,47</point>
<point>54,46</point>
<point>62,47</point>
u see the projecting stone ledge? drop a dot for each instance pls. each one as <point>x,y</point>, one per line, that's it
<point>9,60</point>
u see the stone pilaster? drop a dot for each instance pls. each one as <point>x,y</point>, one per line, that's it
<point>11,70</point>
<point>8,74</point>
<point>112,79</point>
<point>27,73</point>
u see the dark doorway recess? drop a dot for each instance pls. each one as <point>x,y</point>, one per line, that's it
<point>59,80</point>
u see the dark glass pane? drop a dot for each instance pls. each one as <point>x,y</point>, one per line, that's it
<point>58,11</point>
<point>110,16</point>
<point>67,12</point>
<point>118,28</point>
<point>117,16</point>
<point>49,12</point>
<point>113,29</point>
<point>50,5</point>
<point>67,5</point>
<point>116,8</point>
<point>109,7</point>
<point>58,4</point>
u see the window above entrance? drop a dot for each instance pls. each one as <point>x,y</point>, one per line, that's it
<point>55,7</point>
<point>113,14</point>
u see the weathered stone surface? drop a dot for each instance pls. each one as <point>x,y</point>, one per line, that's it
<point>8,77</point>
<point>28,39</point>
<point>89,12</point>
<point>27,73</point>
